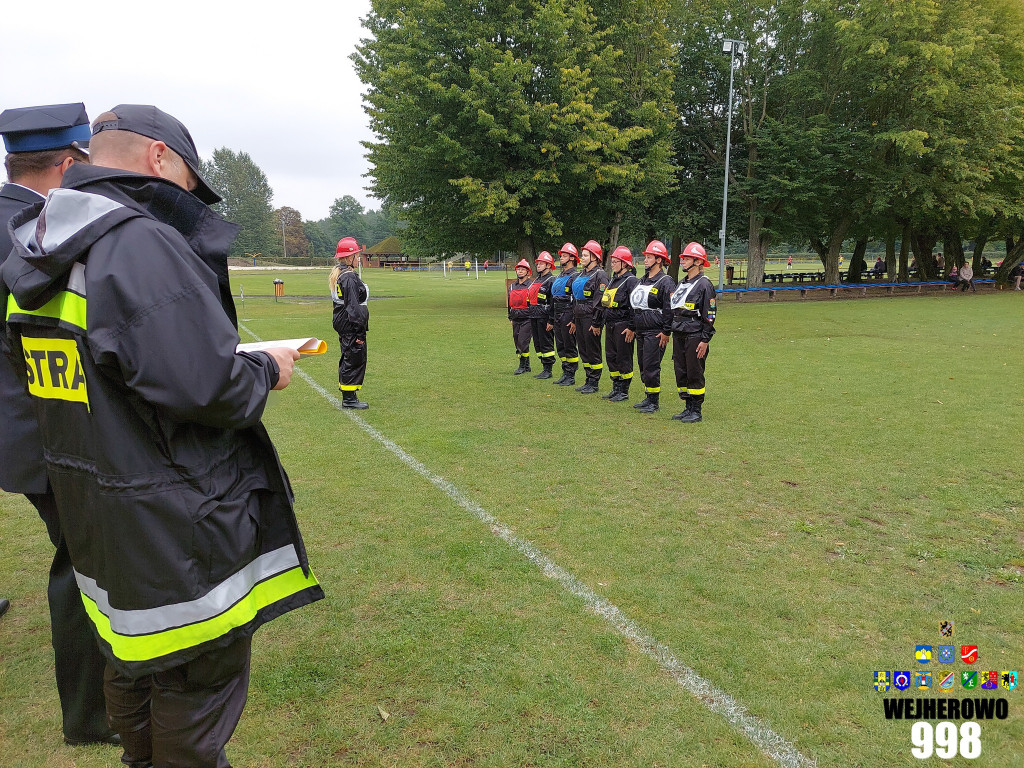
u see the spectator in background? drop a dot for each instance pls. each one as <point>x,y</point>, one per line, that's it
<point>986,265</point>
<point>879,267</point>
<point>789,263</point>
<point>967,278</point>
<point>940,263</point>
<point>953,279</point>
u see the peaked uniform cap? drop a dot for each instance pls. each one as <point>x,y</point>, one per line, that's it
<point>147,120</point>
<point>40,129</point>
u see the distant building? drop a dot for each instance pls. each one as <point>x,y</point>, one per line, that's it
<point>385,253</point>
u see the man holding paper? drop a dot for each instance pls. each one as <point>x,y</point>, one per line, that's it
<point>176,509</point>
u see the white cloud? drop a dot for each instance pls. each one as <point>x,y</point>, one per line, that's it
<point>278,84</point>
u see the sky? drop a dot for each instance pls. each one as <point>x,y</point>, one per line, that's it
<point>275,81</point>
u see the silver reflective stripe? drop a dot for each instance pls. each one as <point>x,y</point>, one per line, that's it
<point>69,211</point>
<point>26,235</point>
<point>683,291</point>
<point>214,603</point>
<point>76,280</point>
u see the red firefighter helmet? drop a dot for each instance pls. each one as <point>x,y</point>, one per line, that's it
<point>657,248</point>
<point>346,247</point>
<point>594,247</point>
<point>623,254</point>
<point>696,251</point>
<point>545,258</point>
<point>524,263</point>
<point>569,250</point>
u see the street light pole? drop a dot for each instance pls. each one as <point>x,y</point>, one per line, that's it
<point>734,48</point>
<point>284,243</point>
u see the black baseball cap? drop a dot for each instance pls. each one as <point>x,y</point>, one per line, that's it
<point>147,120</point>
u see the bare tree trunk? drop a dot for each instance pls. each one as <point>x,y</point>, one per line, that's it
<point>613,238</point>
<point>835,244</point>
<point>526,249</point>
<point>905,238</point>
<point>821,249</point>
<point>757,247</point>
<point>953,250</point>
<point>980,241</point>
<point>1014,253</point>
<point>924,252</point>
<point>675,248</point>
<point>890,253</point>
<point>857,263</point>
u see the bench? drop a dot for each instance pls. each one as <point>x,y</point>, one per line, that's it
<point>835,289</point>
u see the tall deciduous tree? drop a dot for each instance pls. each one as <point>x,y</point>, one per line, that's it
<point>492,133</point>
<point>247,195</point>
<point>294,240</point>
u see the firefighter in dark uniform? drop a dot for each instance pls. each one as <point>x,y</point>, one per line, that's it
<point>540,303</point>
<point>519,315</point>
<point>617,317</point>
<point>351,321</point>
<point>587,290</point>
<point>42,143</point>
<point>560,315</point>
<point>693,324</point>
<point>652,320</point>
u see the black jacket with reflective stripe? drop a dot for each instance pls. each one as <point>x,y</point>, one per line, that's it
<point>176,510</point>
<point>22,469</point>
<point>351,314</point>
<point>694,306</point>
<point>615,306</point>
<point>650,299</point>
<point>540,308</point>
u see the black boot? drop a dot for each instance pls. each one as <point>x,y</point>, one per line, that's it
<point>693,415</point>
<point>644,403</point>
<point>349,399</point>
<point>686,410</point>
<point>651,403</point>
<point>568,377</point>
<point>623,393</point>
<point>524,366</point>
<point>590,386</point>
<point>615,389</point>
<point>548,364</point>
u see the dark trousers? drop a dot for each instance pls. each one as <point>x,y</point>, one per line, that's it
<point>589,346</point>
<point>78,663</point>
<point>522,331</point>
<point>182,717</point>
<point>565,342</point>
<point>650,353</point>
<point>543,340</point>
<point>352,365</point>
<point>618,352</point>
<point>689,369</point>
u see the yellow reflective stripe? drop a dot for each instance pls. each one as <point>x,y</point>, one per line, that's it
<point>697,391</point>
<point>682,390</point>
<point>145,647</point>
<point>571,359</point>
<point>66,306</point>
<point>349,387</point>
<point>614,374</point>
<point>545,354</point>
<point>627,375</point>
<point>54,369</point>
<point>652,389</point>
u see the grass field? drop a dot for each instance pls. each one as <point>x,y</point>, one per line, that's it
<point>856,480</point>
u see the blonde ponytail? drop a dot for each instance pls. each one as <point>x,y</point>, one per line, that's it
<point>332,280</point>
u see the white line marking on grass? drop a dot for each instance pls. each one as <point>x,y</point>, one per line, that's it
<point>713,698</point>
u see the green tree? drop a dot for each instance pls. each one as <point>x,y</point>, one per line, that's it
<point>246,200</point>
<point>491,131</point>
<point>294,240</point>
